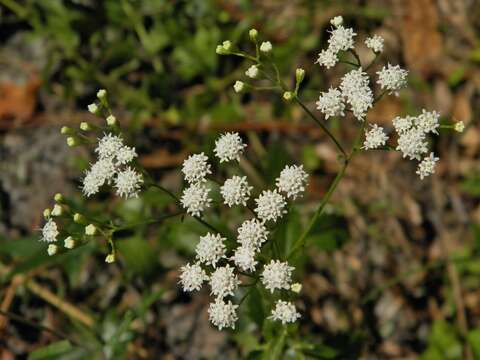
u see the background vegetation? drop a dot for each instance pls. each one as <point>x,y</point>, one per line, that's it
<point>392,270</point>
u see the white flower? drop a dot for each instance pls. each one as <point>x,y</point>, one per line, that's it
<point>270,205</point>
<point>69,243</point>
<point>330,103</point>
<point>100,172</point>
<point>244,258</point>
<point>238,86</point>
<point>57,210</point>
<point>195,168</point>
<point>52,249</point>
<point>292,181</point>
<point>101,93</point>
<point>266,47</point>
<point>392,78</point>
<point>404,124</point>
<point>210,249</point>
<point>459,126</point>
<point>223,314</point>
<point>93,108</point>
<point>336,21</point>
<point>341,39</point>
<point>195,199</point>
<point>111,120</point>
<point>277,275</point>
<point>125,155</point>
<point>375,43</point>
<point>236,191</point>
<point>327,58</point>
<point>428,121</point>
<point>229,147</point>
<point>108,146</point>
<point>49,231</point>
<point>375,138</point>
<point>223,282</point>
<point>412,143</point>
<point>192,277</point>
<point>110,258</point>
<point>128,183</point>
<point>285,312</point>
<point>252,71</point>
<point>355,89</point>
<point>427,166</point>
<point>252,234</point>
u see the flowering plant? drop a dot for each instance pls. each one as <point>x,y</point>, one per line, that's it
<point>235,266</point>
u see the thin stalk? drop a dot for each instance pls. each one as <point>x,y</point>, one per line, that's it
<point>324,128</point>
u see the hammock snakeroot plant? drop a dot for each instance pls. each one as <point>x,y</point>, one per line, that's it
<point>231,267</point>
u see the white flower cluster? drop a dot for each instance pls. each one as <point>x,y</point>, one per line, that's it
<point>355,88</point>
<point>355,91</point>
<point>375,43</point>
<point>375,138</point>
<point>392,78</point>
<point>219,265</point>
<point>341,39</point>
<point>412,139</point>
<point>111,168</point>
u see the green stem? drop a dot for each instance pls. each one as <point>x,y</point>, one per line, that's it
<point>354,53</point>
<point>324,128</point>
<point>148,222</point>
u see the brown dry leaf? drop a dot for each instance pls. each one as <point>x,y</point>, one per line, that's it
<point>422,42</point>
<point>17,102</point>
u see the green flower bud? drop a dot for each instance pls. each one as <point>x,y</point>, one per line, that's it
<point>47,213</point>
<point>287,95</point>
<point>253,33</point>
<point>111,120</point>
<point>85,126</point>
<point>57,210</point>
<point>58,198</point>
<point>65,130</point>
<point>79,218</point>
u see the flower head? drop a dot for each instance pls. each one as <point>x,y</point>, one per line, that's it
<point>195,199</point>
<point>266,47</point>
<point>292,181</point>
<point>128,182</point>
<point>270,205</point>
<point>244,258</point>
<point>357,93</point>
<point>192,277</point>
<point>459,126</point>
<point>412,143</point>
<point>392,78</point>
<point>427,166</point>
<point>277,275</point>
<point>331,103</point>
<point>327,58</point>
<point>210,249</point>
<point>236,191</point>
<point>341,39</point>
<point>229,147</point>
<point>252,234</point>
<point>375,138</point>
<point>428,121</point>
<point>238,86</point>
<point>108,146</point>
<point>223,314</point>
<point>285,312</point>
<point>223,281</point>
<point>404,124</point>
<point>49,231</point>
<point>52,249</point>
<point>252,71</point>
<point>196,168</point>
<point>375,43</point>
<point>99,173</point>
<point>125,155</point>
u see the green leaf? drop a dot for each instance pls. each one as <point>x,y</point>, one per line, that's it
<point>443,343</point>
<point>473,338</point>
<point>138,254</point>
<point>329,232</point>
<point>52,351</point>
<point>255,307</point>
